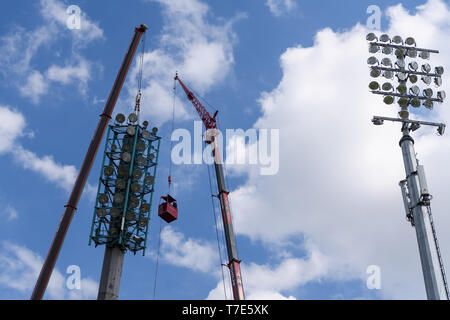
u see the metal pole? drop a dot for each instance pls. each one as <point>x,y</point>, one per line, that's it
<point>431,268</point>
<point>71,206</point>
<point>111,274</point>
<point>234,262</point>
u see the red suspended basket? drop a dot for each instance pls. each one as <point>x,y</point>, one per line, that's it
<point>168,208</point>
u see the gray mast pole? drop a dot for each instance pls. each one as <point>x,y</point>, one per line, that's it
<point>432,274</point>
<point>111,274</point>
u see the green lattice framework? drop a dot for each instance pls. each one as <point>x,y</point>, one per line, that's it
<point>127,180</point>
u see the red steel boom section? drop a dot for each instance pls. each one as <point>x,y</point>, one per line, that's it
<point>234,263</point>
<point>71,206</point>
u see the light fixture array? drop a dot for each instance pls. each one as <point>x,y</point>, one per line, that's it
<point>402,77</point>
<point>126,186</point>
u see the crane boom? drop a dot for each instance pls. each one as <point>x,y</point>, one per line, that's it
<point>223,195</point>
<point>71,206</point>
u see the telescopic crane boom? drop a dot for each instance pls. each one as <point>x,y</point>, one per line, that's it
<point>71,206</point>
<point>211,126</point>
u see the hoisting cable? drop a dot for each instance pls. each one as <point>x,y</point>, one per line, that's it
<point>137,107</point>
<point>217,232</point>
<point>169,180</point>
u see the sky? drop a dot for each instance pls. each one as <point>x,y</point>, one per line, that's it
<point>310,230</point>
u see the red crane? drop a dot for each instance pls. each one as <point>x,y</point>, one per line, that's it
<point>71,206</point>
<point>211,128</point>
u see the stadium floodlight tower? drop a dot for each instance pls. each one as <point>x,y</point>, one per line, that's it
<point>124,197</point>
<point>416,197</point>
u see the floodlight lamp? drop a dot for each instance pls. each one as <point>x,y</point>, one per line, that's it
<point>410,41</point>
<point>397,40</point>
<point>134,202</point>
<point>109,171</point>
<point>373,48</point>
<point>155,130</point>
<point>103,198</point>
<point>142,222</point>
<point>137,173</point>
<point>438,81</point>
<point>115,212</point>
<point>386,62</point>
<point>148,180</point>
<point>122,171</point>
<point>126,157</point>
<point>384,38</point>
<point>120,118</point>
<point>412,53</point>
<point>145,124</point>
<point>426,67</point>
<point>141,161</point>
<point>400,63</point>
<point>428,92</point>
<point>371,36</point>
<point>118,198</point>
<point>441,95</point>
<point>132,117</point>
<point>413,78</point>
<point>388,99</point>
<point>428,104</point>
<point>439,70</point>
<point>377,121</point>
<point>374,85</point>
<point>413,66</point>
<point>151,156</point>
<point>130,216</point>
<point>402,76</point>
<point>387,50</point>
<point>145,207</point>
<point>441,129</point>
<point>403,114</point>
<point>146,134</point>
<point>140,146</point>
<point>399,53</point>
<point>131,130</point>
<point>415,103</point>
<point>403,102</point>
<point>424,54</point>
<point>401,88</point>
<point>387,86</point>
<point>426,79</point>
<point>414,126</point>
<point>414,90</point>
<point>388,74</point>
<point>135,187</point>
<point>121,184</point>
<point>101,212</point>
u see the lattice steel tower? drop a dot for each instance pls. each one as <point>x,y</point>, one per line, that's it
<point>124,197</point>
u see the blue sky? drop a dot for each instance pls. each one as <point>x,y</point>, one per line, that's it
<point>307,232</point>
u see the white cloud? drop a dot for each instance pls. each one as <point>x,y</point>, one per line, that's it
<point>12,126</point>
<point>11,212</point>
<point>35,87</point>
<point>281,7</point>
<point>20,267</point>
<point>19,48</point>
<point>62,175</point>
<point>200,50</point>
<point>273,282</point>
<point>338,178</point>
<point>191,253</point>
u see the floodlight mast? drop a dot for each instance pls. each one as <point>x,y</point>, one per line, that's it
<point>80,182</point>
<point>416,197</point>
